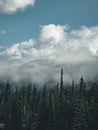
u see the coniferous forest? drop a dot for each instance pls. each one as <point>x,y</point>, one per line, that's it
<point>59,107</point>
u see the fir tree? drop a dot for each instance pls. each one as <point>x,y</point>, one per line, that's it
<point>81,112</point>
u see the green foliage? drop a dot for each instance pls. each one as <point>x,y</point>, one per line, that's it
<point>54,108</point>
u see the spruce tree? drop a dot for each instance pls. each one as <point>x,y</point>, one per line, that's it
<point>81,112</point>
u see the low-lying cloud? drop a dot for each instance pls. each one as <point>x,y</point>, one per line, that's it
<point>11,6</point>
<point>39,60</point>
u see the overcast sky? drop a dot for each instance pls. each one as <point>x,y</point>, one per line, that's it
<point>61,31</point>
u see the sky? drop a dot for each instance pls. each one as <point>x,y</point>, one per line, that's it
<point>23,24</point>
<point>35,34</point>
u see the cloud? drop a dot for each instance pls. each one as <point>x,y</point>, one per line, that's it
<point>21,50</point>
<point>53,33</point>
<point>11,6</point>
<point>57,46</point>
<point>2,32</point>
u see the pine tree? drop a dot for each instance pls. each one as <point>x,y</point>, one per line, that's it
<point>81,112</point>
<point>16,112</point>
<point>50,124</point>
<point>42,114</point>
<point>7,106</point>
<point>92,115</point>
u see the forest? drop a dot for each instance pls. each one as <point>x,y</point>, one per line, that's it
<point>59,107</point>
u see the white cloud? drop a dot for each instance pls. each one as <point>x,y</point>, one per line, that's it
<point>74,43</point>
<point>53,33</point>
<point>21,50</point>
<point>2,32</point>
<point>11,6</point>
<point>57,41</point>
<point>56,47</point>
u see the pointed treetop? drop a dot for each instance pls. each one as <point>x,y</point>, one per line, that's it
<point>7,84</point>
<point>61,82</point>
<point>61,69</point>
<point>82,78</point>
<point>73,83</point>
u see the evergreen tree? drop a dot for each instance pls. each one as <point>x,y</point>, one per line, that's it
<point>42,114</point>
<point>92,115</point>
<point>50,124</point>
<point>81,113</point>
<point>16,112</point>
<point>7,106</point>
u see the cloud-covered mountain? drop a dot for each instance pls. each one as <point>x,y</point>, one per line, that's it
<point>40,60</point>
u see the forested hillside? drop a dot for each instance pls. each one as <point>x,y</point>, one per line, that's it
<point>59,107</point>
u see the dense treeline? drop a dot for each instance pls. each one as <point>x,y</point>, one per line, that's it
<point>55,108</point>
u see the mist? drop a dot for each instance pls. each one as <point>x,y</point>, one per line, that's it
<point>40,60</point>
